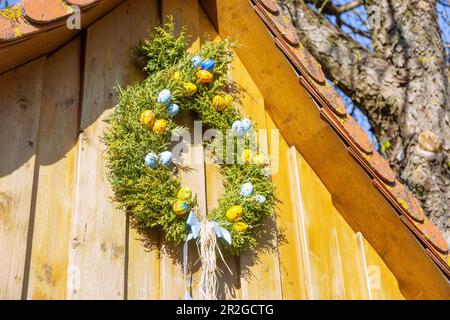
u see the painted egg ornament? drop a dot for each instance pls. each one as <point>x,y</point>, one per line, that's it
<point>173,109</point>
<point>185,193</point>
<point>218,103</point>
<point>204,76</point>
<point>247,156</point>
<point>234,212</point>
<point>165,158</point>
<point>228,100</point>
<point>208,64</point>
<point>190,89</point>
<point>246,189</point>
<point>147,118</point>
<point>180,207</point>
<point>240,226</point>
<point>151,160</point>
<point>160,126</point>
<point>237,129</point>
<point>246,124</point>
<point>259,160</point>
<point>260,198</point>
<point>177,76</point>
<point>164,96</point>
<point>196,61</point>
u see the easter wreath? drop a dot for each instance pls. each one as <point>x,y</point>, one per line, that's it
<point>137,138</point>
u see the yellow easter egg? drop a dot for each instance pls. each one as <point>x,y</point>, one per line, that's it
<point>228,100</point>
<point>185,194</point>
<point>240,226</point>
<point>147,118</point>
<point>259,160</point>
<point>234,212</point>
<point>160,126</point>
<point>177,76</point>
<point>218,103</point>
<point>247,156</point>
<point>204,76</point>
<point>190,88</point>
<point>180,207</point>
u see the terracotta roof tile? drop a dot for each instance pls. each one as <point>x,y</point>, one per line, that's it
<point>82,3</point>
<point>45,11</point>
<point>333,111</point>
<point>14,25</point>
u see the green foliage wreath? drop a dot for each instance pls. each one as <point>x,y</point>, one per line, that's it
<point>148,194</point>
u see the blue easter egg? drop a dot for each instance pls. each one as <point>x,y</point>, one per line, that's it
<point>173,109</point>
<point>246,189</point>
<point>165,158</point>
<point>260,198</point>
<point>196,61</point>
<point>164,96</point>
<point>151,160</point>
<point>208,65</point>
<point>237,129</point>
<point>246,124</point>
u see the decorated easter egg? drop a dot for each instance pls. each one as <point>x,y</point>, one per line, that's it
<point>151,160</point>
<point>204,76</point>
<point>172,109</point>
<point>260,198</point>
<point>240,226</point>
<point>164,96</point>
<point>180,207</point>
<point>185,193</point>
<point>259,160</point>
<point>218,103</point>
<point>246,124</point>
<point>247,156</point>
<point>165,158</point>
<point>246,189</point>
<point>147,118</point>
<point>177,76</point>
<point>228,100</point>
<point>237,129</point>
<point>234,212</point>
<point>190,88</point>
<point>196,61</point>
<point>160,126</point>
<point>208,64</point>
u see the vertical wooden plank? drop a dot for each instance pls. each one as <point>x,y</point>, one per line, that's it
<point>381,282</point>
<point>97,253</point>
<point>55,178</point>
<point>293,269</point>
<point>320,224</point>
<point>352,265</point>
<point>20,105</point>
<point>229,286</point>
<point>143,260</point>
<point>185,13</point>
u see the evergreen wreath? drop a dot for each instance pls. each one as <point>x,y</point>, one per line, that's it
<point>138,135</point>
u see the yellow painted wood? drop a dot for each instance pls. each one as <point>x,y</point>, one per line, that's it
<point>321,232</point>
<point>97,252</point>
<point>55,174</point>
<point>185,13</point>
<point>20,106</point>
<point>381,282</point>
<point>229,283</point>
<point>143,249</point>
<point>293,268</point>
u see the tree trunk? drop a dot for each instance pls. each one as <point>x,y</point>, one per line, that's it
<point>402,87</point>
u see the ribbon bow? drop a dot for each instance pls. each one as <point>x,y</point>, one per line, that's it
<point>194,231</point>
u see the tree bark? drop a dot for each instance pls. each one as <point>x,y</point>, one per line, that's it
<point>402,86</point>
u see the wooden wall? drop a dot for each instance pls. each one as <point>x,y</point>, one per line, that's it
<point>62,238</point>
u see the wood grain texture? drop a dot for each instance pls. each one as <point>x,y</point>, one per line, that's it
<point>98,237</point>
<point>55,174</point>
<point>143,249</point>
<point>20,107</point>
